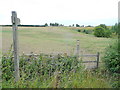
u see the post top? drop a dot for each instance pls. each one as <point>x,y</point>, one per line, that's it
<point>14,18</point>
<point>13,11</point>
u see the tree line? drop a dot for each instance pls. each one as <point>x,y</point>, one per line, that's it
<point>24,25</point>
<point>50,24</point>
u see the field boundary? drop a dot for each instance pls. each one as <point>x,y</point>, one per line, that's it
<point>65,54</point>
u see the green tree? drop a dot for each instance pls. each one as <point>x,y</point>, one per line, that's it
<point>103,25</point>
<point>115,28</point>
<point>77,25</point>
<point>46,24</point>
<point>99,31</point>
<point>56,24</point>
<point>89,26</point>
<point>73,25</point>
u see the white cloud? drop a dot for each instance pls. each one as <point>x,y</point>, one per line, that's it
<point>41,11</point>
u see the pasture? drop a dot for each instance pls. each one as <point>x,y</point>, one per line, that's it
<point>53,40</point>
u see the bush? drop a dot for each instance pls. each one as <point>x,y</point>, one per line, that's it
<point>99,31</point>
<point>103,25</point>
<point>108,33</point>
<point>86,31</point>
<point>102,32</point>
<point>112,62</point>
<point>79,30</point>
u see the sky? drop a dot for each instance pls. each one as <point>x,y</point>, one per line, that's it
<point>67,12</point>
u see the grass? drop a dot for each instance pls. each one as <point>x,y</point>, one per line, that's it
<point>83,79</point>
<point>48,39</point>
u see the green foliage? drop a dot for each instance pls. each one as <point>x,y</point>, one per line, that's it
<point>102,31</point>
<point>111,59</point>
<point>112,63</point>
<point>99,31</point>
<point>85,31</point>
<point>46,71</point>
<point>108,33</point>
<point>115,28</point>
<point>82,79</point>
<point>77,25</point>
<point>7,67</point>
<point>103,25</point>
<point>46,24</point>
<point>79,30</point>
<point>89,26</point>
<point>118,28</point>
<point>31,67</point>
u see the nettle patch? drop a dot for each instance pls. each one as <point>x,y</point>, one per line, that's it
<point>32,66</point>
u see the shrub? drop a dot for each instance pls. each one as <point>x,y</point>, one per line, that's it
<point>99,31</point>
<point>103,25</point>
<point>84,31</point>
<point>112,62</point>
<point>102,32</point>
<point>87,31</point>
<point>79,30</point>
<point>108,33</point>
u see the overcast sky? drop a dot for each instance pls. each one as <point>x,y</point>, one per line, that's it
<point>67,12</point>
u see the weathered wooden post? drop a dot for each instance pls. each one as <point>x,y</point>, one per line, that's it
<point>118,13</point>
<point>98,54</point>
<point>78,49</point>
<point>15,22</point>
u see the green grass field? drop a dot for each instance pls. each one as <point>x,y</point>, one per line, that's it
<point>54,40</point>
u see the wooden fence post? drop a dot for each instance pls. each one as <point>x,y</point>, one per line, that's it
<point>98,54</point>
<point>78,49</point>
<point>15,22</point>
